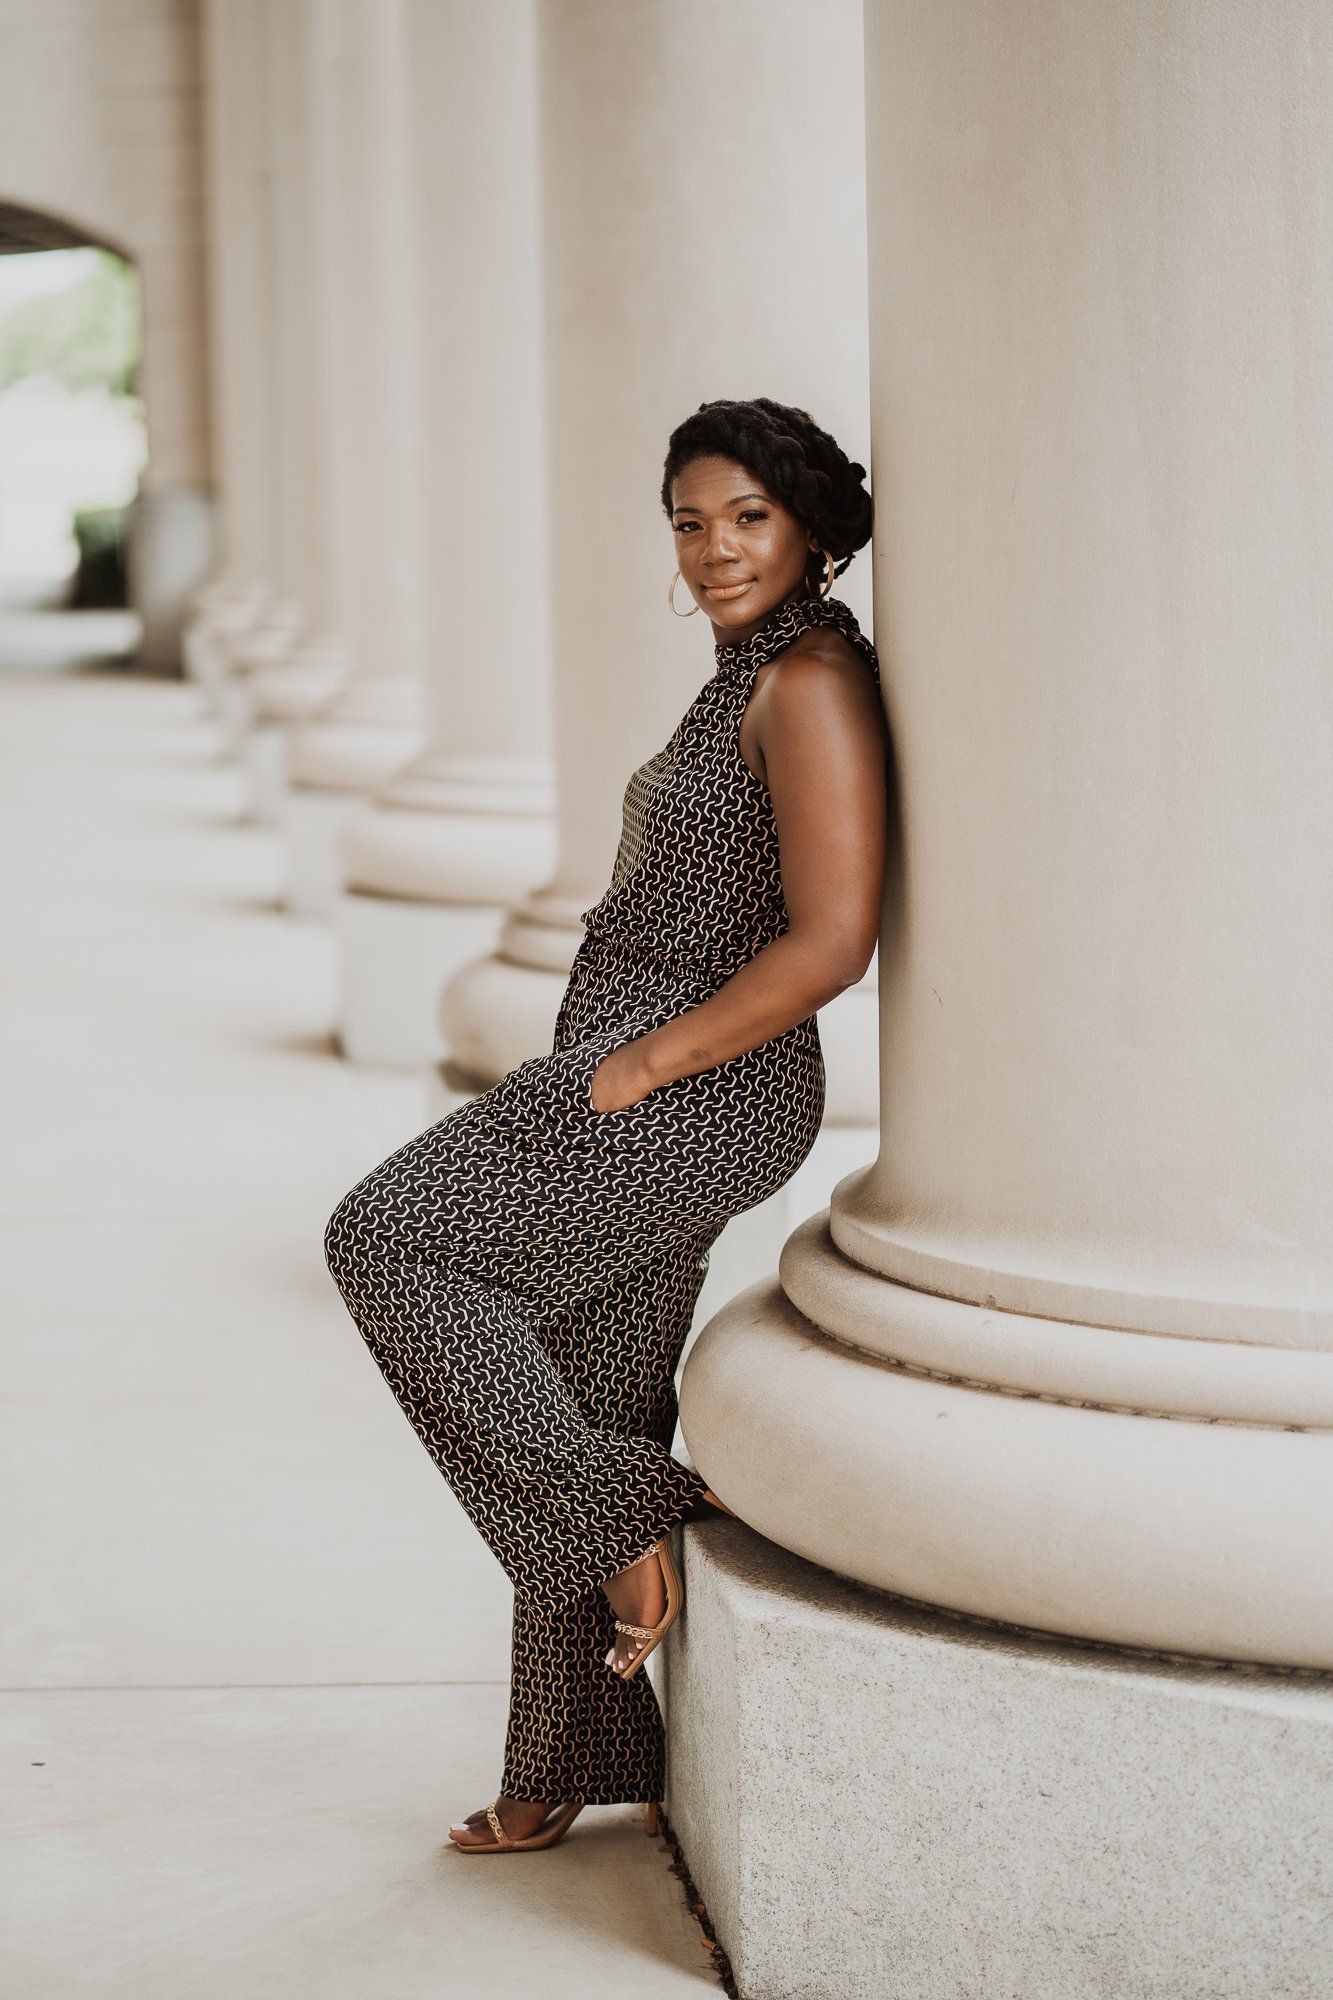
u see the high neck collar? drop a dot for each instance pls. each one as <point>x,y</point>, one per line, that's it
<point>790,619</point>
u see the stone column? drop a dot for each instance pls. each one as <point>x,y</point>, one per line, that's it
<point>437,855</point>
<point>172,531</point>
<point>278,250</point>
<point>234,79</point>
<point>671,280</point>
<point>294,675</point>
<point>1062,1357</point>
<point>372,725</point>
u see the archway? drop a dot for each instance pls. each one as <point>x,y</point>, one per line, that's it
<point>73,439</point>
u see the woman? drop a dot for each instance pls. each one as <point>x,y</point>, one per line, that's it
<point>524,1272</point>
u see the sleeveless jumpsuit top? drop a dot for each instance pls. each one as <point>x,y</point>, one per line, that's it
<point>695,893</point>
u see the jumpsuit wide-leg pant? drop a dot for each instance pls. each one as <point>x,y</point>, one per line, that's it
<point>524,1273</point>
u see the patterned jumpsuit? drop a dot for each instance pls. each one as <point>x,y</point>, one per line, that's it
<point>525,1271</point>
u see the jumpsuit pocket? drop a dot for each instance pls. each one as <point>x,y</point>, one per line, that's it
<point>592,1054</point>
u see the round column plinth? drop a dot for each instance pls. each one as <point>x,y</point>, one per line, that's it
<point>1141,1490</point>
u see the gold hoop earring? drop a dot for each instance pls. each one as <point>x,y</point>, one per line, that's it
<point>671,598</point>
<point>829,573</point>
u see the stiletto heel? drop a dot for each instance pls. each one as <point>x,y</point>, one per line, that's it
<point>650,1817</point>
<point>652,1635</point>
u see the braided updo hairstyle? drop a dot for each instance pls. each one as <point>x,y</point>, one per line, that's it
<point>808,471</point>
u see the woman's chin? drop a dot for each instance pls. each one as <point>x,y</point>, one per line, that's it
<point>746,608</point>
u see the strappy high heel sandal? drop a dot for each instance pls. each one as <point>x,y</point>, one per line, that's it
<point>504,1843</point>
<point>652,1635</point>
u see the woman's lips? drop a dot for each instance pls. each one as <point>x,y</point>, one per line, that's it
<point>727,589</point>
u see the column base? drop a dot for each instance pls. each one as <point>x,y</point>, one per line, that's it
<point>877,1797</point>
<point>172,532</point>
<point>265,760</point>
<point>280,698</point>
<point>395,955</point>
<point>310,826</point>
<point>1084,1481</point>
<point>201,657</point>
<point>223,610</point>
<point>332,763</point>
<point>497,1011</point>
<point>750,1246</point>
<point>446,1088</point>
<point>233,705</point>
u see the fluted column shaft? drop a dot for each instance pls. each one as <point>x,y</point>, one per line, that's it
<point>372,723</point>
<point>468,826</point>
<point>294,672</point>
<point>691,251</point>
<point>373,720</point>
<point>1097,1244</point>
<point>227,107</point>
<point>247,592</point>
<point>290,681</point>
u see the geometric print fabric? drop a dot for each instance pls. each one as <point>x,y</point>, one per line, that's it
<point>525,1271</point>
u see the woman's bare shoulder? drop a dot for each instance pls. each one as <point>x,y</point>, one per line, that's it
<point>821,641</point>
<point>819,655</point>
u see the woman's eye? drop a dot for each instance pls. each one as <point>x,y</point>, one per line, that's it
<point>749,514</point>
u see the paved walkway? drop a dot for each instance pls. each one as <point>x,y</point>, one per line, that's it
<point>254,1656</point>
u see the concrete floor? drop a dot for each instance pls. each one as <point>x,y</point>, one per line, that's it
<point>254,1657</point>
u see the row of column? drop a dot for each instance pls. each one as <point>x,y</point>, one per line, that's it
<point>1062,1355</point>
<point>476,333</point>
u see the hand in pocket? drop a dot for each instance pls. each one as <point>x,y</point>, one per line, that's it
<point>617,1081</point>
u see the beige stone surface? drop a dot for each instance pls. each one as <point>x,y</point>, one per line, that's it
<point>292,1842</point>
<point>878,1799</point>
<point>255,1657</point>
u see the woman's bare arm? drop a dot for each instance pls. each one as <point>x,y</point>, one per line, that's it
<point>822,736</point>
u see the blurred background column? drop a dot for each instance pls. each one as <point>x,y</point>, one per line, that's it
<point>468,826</point>
<point>276,327</point>
<point>1063,1355</point>
<point>241,596</point>
<point>291,675</point>
<point>172,530</point>
<point>372,725</point>
<point>692,251</point>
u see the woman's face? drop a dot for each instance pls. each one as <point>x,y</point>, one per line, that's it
<point>740,551</point>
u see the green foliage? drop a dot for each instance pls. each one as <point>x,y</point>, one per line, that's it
<point>101,579</point>
<point>86,335</point>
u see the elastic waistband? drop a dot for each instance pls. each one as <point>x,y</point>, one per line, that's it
<point>646,961</point>
<point>652,963</point>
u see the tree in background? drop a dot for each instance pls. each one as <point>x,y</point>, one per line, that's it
<point>72,431</point>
